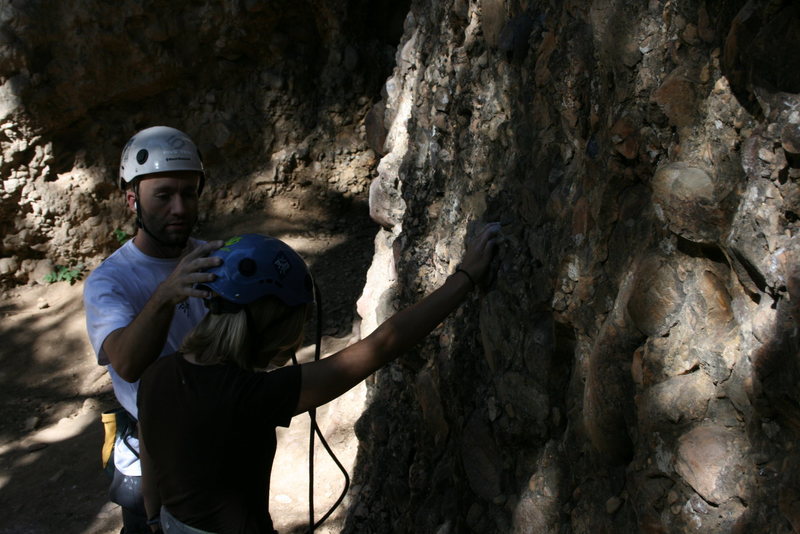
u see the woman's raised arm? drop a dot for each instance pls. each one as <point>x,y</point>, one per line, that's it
<point>330,377</point>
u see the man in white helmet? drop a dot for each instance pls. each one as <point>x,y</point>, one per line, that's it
<point>141,301</point>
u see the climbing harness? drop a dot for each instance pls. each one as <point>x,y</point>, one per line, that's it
<point>118,425</point>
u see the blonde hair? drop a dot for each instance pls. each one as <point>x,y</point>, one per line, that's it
<point>230,337</point>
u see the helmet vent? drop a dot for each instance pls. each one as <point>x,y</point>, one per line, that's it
<point>141,156</point>
<point>247,267</point>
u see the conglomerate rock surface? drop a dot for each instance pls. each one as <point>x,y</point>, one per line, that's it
<point>633,364</point>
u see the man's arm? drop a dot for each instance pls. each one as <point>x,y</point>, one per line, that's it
<point>132,348</point>
<point>324,380</point>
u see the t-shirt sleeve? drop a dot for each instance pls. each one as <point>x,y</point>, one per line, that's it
<point>277,394</point>
<point>107,309</point>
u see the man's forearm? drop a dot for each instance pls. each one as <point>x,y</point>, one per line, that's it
<point>132,348</point>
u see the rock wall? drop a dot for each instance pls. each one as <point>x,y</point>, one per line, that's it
<point>633,365</point>
<point>275,94</point>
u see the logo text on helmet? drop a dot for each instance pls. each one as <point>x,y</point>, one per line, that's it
<point>281,264</point>
<point>176,141</point>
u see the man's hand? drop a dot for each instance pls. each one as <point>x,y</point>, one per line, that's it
<point>180,284</point>
<point>132,348</point>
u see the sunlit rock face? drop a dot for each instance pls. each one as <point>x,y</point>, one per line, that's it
<point>274,93</point>
<point>632,366</point>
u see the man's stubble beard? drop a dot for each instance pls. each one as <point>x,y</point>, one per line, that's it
<point>175,238</point>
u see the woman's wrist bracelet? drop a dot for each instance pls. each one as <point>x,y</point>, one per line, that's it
<point>469,276</point>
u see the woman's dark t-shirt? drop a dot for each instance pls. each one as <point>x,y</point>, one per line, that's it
<point>210,432</point>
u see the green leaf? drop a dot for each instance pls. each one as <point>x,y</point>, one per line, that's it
<point>64,274</point>
<point>121,235</point>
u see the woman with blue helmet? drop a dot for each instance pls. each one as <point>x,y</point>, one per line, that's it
<point>208,413</point>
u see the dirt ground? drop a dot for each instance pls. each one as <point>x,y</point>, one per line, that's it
<point>53,391</point>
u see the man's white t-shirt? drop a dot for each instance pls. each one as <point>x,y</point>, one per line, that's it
<point>113,296</point>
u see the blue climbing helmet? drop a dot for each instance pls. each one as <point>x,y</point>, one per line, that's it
<point>256,266</point>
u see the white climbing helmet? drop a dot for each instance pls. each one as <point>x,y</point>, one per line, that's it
<point>159,149</point>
